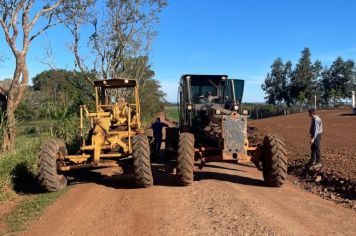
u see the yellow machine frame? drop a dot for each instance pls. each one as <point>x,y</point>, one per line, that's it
<point>104,139</point>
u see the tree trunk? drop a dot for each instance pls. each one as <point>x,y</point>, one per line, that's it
<point>14,97</point>
<point>10,132</point>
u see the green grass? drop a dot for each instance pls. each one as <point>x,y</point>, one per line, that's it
<point>172,113</point>
<point>28,209</point>
<point>18,165</point>
<point>18,171</point>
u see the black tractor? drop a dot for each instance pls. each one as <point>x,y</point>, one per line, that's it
<point>212,128</point>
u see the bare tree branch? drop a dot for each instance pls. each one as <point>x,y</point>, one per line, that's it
<point>45,10</point>
<point>48,25</point>
<point>48,60</point>
<point>14,19</point>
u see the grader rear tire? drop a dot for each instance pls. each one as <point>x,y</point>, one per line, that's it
<point>141,161</point>
<point>49,177</point>
<point>185,159</point>
<point>274,162</point>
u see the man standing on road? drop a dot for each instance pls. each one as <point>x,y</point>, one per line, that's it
<point>157,135</point>
<point>316,129</point>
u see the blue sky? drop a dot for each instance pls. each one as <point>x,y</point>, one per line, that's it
<point>237,38</point>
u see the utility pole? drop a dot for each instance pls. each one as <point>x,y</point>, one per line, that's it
<point>315,101</point>
<point>353,102</point>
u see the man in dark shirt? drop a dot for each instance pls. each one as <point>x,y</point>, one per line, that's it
<point>157,127</point>
<point>316,129</point>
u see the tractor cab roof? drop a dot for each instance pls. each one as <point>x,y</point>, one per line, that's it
<point>206,80</point>
<point>205,77</point>
<point>115,83</point>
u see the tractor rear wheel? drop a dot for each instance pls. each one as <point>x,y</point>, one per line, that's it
<point>185,159</point>
<point>141,161</point>
<point>51,154</point>
<point>274,162</point>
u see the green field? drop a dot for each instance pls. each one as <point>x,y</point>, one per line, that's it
<point>172,112</point>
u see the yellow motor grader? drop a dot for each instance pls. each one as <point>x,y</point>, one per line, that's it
<point>115,135</point>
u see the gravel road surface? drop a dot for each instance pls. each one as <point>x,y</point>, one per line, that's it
<point>225,199</point>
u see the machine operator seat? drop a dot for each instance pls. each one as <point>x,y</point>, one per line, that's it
<point>121,113</point>
<point>120,110</point>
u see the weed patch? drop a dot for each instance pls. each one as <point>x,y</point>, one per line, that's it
<point>18,170</point>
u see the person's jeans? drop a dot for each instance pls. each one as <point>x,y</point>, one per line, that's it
<point>315,150</point>
<point>157,144</point>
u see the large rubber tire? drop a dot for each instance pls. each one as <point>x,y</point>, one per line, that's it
<point>48,175</point>
<point>141,161</point>
<point>274,161</point>
<point>185,160</point>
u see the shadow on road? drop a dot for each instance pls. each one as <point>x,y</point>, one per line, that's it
<point>25,182</point>
<point>237,179</point>
<point>347,114</point>
<point>112,180</point>
<point>222,167</point>
<point>162,175</point>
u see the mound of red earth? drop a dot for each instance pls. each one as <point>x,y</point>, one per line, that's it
<point>336,180</point>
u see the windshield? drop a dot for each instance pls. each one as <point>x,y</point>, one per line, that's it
<point>239,89</point>
<point>208,88</point>
<point>111,96</point>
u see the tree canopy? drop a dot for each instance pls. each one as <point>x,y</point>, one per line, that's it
<point>300,84</point>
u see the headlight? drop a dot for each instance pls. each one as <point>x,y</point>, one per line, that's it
<point>236,107</point>
<point>218,112</point>
<point>189,107</point>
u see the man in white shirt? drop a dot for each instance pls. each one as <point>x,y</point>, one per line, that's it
<point>316,129</point>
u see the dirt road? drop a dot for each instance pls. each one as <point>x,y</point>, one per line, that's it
<point>225,199</point>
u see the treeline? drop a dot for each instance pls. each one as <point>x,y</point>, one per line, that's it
<point>298,86</point>
<point>57,94</point>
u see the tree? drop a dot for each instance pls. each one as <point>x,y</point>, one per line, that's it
<point>120,43</point>
<point>302,78</point>
<point>70,83</point>
<point>152,99</point>
<point>276,84</point>
<point>286,83</point>
<point>123,36</point>
<point>18,22</point>
<point>338,80</point>
<point>62,88</point>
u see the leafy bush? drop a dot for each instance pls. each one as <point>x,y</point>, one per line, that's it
<point>24,112</point>
<point>30,130</point>
<point>15,165</point>
<point>66,128</point>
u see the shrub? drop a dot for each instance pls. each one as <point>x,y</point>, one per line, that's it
<point>30,130</point>
<point>20,164</point>
<point>66,128</point>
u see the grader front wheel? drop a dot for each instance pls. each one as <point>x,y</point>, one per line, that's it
<point>141,161</point>
<point>185,159</point>
<point>274,162</point>
<point>50,155</point>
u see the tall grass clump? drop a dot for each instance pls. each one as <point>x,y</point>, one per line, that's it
<point>17,168</point>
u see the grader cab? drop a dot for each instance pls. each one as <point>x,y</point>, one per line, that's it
<point>115,136</point>
<point>212,128</point>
